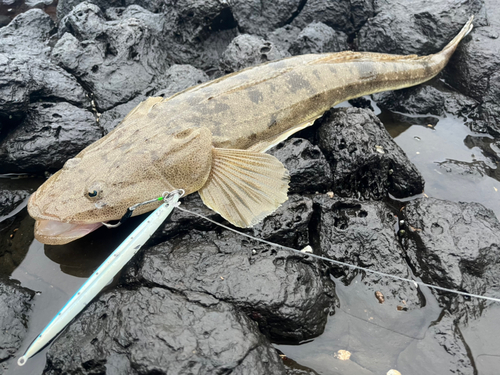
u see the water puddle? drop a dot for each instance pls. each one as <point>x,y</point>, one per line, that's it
<point>458,165</point>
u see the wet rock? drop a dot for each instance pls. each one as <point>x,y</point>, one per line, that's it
<point>66,6</point>
<point>364,159</point>
<point>180,222</point>
<point>51,134</point>
<point>344,15</point>
<point>289,224</point>
<point>454,245</point>
<point>198,32</point>
<point>426,99</point>
<point>258,17</point>
<point>423,28</point>
<point>248,50</point>
<point>156,331</point>
<point>488,114</point>
<point>475,61</point>
<point>10,199</point>
<point>309,170</point>
<point>15,306</point>
<point>25,73</point>
<point>364,234</point>
<point>139,45</point>
<point>27,34</point>
<point>24,80</point>
<point>474,71</point>
<point>177,78</point>
<point>288,295</point>
<point>111,118</point>
<point>283,37</point>
<point>102,54</point>
<point>318,38</point>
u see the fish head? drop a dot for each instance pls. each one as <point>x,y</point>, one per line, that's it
<point>104,180</point>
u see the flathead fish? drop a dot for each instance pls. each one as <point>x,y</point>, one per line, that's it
<point>212,139</point>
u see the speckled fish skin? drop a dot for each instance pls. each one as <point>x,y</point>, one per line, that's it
<point>184,141</point>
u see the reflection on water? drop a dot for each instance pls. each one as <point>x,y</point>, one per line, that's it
<point>456,164</point>
<point>376,334</point>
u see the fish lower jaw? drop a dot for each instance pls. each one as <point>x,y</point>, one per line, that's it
<point>52,232</point>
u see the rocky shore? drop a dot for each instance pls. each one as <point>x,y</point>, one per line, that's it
<point>200,299</point>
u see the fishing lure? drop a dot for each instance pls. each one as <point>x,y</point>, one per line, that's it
<point>105,273</point>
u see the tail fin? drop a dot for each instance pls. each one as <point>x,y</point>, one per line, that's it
<point>450,47</point>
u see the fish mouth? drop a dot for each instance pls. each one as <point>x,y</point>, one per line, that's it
<point>52,232</point>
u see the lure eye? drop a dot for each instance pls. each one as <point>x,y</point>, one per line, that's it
<point>94,191</point>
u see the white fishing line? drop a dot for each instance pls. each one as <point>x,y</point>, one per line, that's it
<point>415,282</point>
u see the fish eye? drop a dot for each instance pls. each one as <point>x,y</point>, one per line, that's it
<point>94,191</point>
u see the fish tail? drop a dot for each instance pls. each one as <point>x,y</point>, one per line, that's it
<point>452,46</point>
<point>440,59</point>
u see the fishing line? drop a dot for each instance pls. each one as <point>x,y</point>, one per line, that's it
<point>415,282</point>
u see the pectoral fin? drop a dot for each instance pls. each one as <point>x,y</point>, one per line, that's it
<point>245,186</point>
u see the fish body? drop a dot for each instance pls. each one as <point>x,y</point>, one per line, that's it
<point>211,138</point>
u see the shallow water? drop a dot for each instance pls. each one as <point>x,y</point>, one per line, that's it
<point>456,164</point>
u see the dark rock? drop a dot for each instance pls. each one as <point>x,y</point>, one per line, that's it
<point>51,134</point>
<point>139,45</point>
<point>474,63</point>
<point>474,71</point>
<point>10,199</point>
<point>308,167</point>
<point>9,9</point>
<point>318,38</point>
<point>180,222</point>
<point>364,159</point>
<point>423,28</point>
<point>198,32</point>
<point>15,306</point>
<point>175,79</point>
<point>258,17</point>
<point>178,78</point>
<point>288,295</point>
<point>289,224</point>
<point>66,6</point>
<point>283,37</point>
<point>344,15</point>
<point>248,50</point>
<point>27,34</point>
<point>102,54</point>
<point>454,245</point>
<point>156,331</point>
<point>24,80</point>
<point>364,234</point>
<point>425,99</point>
<point>111,118</point>
<point>25,73</point>
<point>361,102</point>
